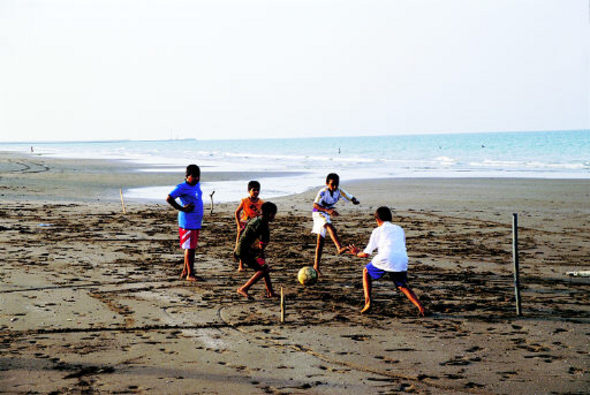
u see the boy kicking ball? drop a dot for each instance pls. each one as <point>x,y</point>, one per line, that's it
<point>322,213</point>
<point>250,249</point>
<point>391,258</point>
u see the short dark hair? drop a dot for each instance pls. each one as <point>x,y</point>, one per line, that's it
<point>332,176</point>
<point>383,213</point>
<point>268,208</point>
<point>253,185</point>
<point>192,170</point>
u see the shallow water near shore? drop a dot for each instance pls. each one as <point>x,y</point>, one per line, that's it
<point>303,163</point>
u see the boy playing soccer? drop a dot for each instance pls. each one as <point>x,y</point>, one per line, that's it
<point>190,217</point>
<point>391,258</point>
<point>323,210</point>
<point>250,249</point>
<point>250,207</point>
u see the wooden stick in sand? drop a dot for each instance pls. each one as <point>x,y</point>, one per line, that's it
<point>515,259</point>
<point>122,201</point>
<point>282,306</point>
<point>211,196</point>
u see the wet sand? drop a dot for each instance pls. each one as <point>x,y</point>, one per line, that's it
<point>91,302</point>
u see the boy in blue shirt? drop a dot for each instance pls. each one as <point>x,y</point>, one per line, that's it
<point>190,217</point>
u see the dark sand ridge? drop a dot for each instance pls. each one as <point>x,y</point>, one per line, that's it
<point>91,301</point>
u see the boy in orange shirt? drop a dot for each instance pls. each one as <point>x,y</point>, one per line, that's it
<point>250,207</point>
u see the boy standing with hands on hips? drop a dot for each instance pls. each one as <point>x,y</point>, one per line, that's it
<point>190,217</point>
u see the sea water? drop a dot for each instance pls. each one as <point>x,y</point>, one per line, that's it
<point>304,162</point>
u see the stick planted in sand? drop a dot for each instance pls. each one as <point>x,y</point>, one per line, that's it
<point>282,306</point>
<point>211,196</point>
<point>515,259</point>
<point>122,201</point>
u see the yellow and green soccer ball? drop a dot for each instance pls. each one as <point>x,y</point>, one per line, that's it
<point>307,275</point>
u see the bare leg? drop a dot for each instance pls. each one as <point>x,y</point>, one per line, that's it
<point>318,253</point>
<point>240,264</point>
<point>413,298</point>
<point>189,264</point>
<point>268,284</point>
<point>334,236</point>
<point>183,274</point>
<point>367,286</point>
<point>243,290</point>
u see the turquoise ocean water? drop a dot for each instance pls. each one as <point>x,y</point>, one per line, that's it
<point>557,154</point>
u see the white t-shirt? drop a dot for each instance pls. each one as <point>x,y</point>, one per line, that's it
<point>327,198</point>
<point>390,241</point>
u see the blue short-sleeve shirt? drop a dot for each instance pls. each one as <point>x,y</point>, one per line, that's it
<point>189,194</point>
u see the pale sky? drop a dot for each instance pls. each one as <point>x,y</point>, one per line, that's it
<point>129,69</point>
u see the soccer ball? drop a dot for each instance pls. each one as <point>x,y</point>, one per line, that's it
<point>307,275</point>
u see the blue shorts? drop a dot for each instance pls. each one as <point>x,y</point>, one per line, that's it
<point>400,279</point>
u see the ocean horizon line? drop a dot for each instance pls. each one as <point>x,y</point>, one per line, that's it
<point>99,141</point>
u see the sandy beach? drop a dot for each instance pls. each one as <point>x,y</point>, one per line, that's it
<point>90,300</point>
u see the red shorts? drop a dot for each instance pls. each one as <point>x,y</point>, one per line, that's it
<point>188,238</point>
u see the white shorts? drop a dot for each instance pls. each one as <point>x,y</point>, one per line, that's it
<point>320,220</point>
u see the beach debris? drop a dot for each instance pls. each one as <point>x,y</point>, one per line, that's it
<point>90,370</point>
<point>579,274</point>
<point>211,196</point>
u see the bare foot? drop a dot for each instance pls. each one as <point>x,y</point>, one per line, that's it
<point>190,277</point>
<point>183,274</point>
<point>422,313</point>
<point>243,293</point>
<point>317,271</point>
<point>240,268</point>
<point>367,308</point>
<point>271,295</point>
<point>342,250</point>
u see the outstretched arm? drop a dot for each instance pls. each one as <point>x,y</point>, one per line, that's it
<point>348,196</point>
<point>356,252</point>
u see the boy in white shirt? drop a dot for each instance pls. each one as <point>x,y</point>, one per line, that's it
<point>323,210</point>
<point>391,258</point>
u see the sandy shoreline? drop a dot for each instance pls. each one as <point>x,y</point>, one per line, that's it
<point>41,178</point>
<point>91,301</point>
